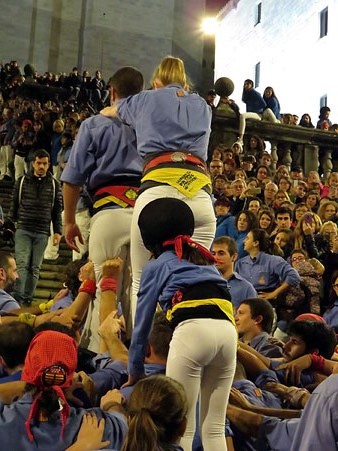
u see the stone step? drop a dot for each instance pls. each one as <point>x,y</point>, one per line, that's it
<point>43,294</point>
<point>52,275</point>
<point>52,284</point>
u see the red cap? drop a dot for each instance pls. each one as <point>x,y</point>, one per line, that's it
<point>310,317</point>
<point>50,364</point>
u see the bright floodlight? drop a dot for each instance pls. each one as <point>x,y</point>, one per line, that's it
<point>209,25</point>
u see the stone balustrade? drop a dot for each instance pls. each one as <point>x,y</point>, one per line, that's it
<point>289,143</point>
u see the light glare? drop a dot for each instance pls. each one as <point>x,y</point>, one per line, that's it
<point>209,25</point>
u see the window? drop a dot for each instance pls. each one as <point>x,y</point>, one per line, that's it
<point>324,17</point>
<point>258,13</point>
<point>257,74</point>
<point>323,101</point>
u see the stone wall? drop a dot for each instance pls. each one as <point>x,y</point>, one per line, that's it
<point>59,34</point>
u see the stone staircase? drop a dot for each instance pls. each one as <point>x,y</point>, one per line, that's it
<point>52,271</point>
<point>52,274</point>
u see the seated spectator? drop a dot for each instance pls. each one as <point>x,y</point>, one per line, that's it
<point>225,252</point>
<point>254,320</point>
<point>256,108</point>
<point>296,174</point>
<point>225,222</point>
<point>238,187</point>
<point>265,159</point>
<point>219,183</point>
<point>298,192</point>
<point>269,274</point>
<point>254,204</point>
<point>331,313</point>
<point>244,222</point>
<point>272,101</point>
<point>312,199</point>
<point>215,168</point>
<point>327,211</point>
<point>305,297</point>
<point>307,236</point>
<point>283,219</point>
<point>262,173</point>
<point>285,184</point>
<point>284,239</point>
<point>247,164</point>
<point>282,171</point>
<point>313,182</point>
<point>280,197</point>
<point>266,220</point>
<point>330,188</point>
<point>269,193</point>
<point>240,174</point>
<point>298,212</point>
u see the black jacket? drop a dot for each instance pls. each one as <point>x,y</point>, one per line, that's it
<point>36,202</point>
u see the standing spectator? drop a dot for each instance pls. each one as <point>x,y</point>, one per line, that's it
<point>36,203</point>
<point>64,152</point>
<point>324,121</point>
<point>306,121</point>
<point>7,130</point>
<point>210,99</point>
<point>58,128</point>
<point>256,108</point>
<point>99,91</point>
<point>22,143</point>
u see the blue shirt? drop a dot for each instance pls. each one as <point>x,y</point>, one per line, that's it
<point>104,149</point>
<point>331,315</point>
<point>168,119</point>
<point>225,225</point>
<point>266,272</point>
<point>240,289</point>
<point>113,375</point>
<point>7,303</point>
<point>318,425</point>
<point>47,434</point>
<point>263,345</point>
<point>254,102</point>
<point>170,274</point>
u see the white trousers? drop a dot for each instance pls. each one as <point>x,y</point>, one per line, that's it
<point>6,158</point>
<point>267,115</point>
<point>109,237</point>
<point>19,166</point>
<point>202,357</point>
<point>205,227</point>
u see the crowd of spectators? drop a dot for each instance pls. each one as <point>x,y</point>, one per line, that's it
<point>276,246</point>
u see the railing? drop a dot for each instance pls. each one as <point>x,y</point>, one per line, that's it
<point>305,145</point>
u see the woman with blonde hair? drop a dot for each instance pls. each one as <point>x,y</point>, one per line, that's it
<point>307,236</point>
<point>172,128</point>
<point>280,197</point>
<point>327,210</point>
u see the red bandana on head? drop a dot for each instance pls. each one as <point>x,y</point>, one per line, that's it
<point>50,364</point>
<point>178,242</point>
